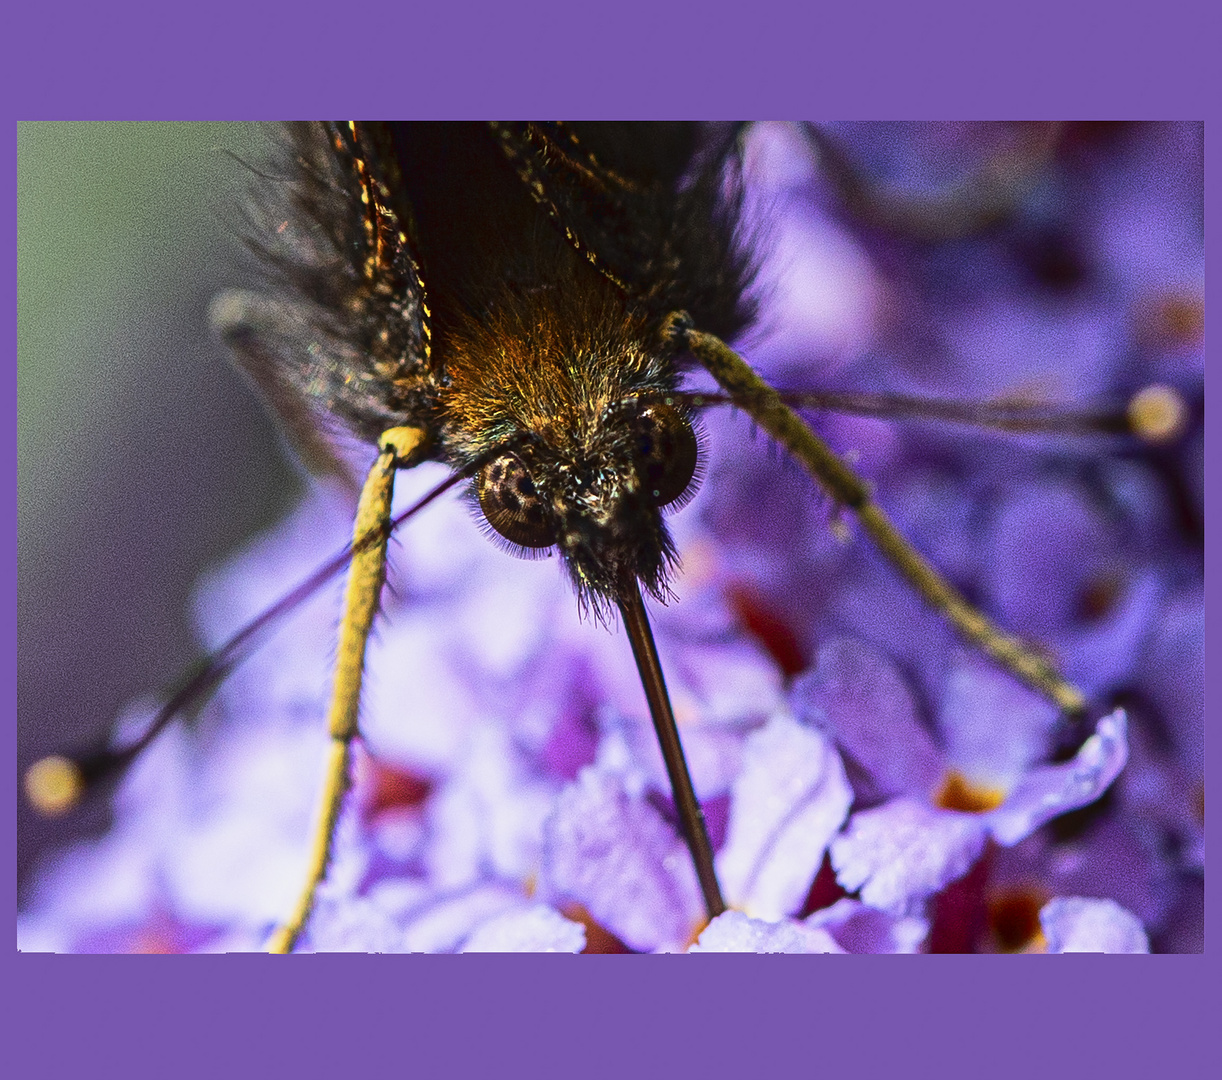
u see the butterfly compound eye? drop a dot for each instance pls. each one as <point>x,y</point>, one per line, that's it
<point>513,505</point>
<point>666,446</point>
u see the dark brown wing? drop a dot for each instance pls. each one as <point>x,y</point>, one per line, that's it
<point>347,336</point>
<point>655,206</point>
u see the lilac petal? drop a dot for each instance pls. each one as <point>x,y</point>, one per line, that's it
<point>904,851</point>
<point>720,681</point>
<point>733,931</point>
<point>88,889</point>
<point>341,921</point>
<point>747,503</point>
<point>611,850</point>
<point>822,289</point>
<point>441,553</point>
<point>1172,673</point>
<point>417,708</point>
<point>241,857</point>
<point>993,728</point>
<point>292,664</point>
<point>443,923</point>
<point>1078,924</point>
<point>1117,857</point>
<point>236,940</point>
<point>508,617</point>
<point>858,928</point>
<point>536,929</point>
<point>1050,790</point>
<point>1026,549</point>
<point>488,816</point>
<point>718,690</point>
<point>1026,339</point>
<point>786,804</point>
<point>1160,802</point>
<point>713,750</point>
<point>374,922</point>
<point>1100,655</point>
<point>352,924</point>
<point>1082,555</point>
<point>857,695</point>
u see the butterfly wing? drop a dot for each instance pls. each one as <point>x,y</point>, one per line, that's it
<point>345,342</point>
<point>656,207</point>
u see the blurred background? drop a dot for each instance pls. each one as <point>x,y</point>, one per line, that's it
<point>141,456</point>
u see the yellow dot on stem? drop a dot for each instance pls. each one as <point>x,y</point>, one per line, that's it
<point>54,785</point>
<point>1157,413</point>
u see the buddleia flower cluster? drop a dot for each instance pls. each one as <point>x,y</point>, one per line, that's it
<point>871,784</point>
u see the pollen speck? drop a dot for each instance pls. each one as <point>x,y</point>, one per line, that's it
<point>957,792</point>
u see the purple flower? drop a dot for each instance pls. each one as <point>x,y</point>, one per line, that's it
<point>859,928</point>
<point>612,849</point>
<point>786,805</point>
<point>611,844</point>
<point>534,929</point>
<point>1075,924</point>
<point>736,932</point>
<point>898,854</point>
<point>846,926</point>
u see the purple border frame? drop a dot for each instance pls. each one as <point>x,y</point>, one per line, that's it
<point>1092,1016</point>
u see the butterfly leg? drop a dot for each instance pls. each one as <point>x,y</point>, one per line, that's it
<point>764,405</point>
<point>399,447</point>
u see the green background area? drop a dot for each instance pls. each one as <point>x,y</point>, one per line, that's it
<point>142,456</point>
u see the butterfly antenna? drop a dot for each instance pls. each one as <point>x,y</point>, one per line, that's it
<point>55,784</point>
<point>1156,414</point>
<point>767,409</point>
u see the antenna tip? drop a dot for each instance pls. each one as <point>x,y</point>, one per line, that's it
<point>1158,414</point>
<point>54,785</point>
